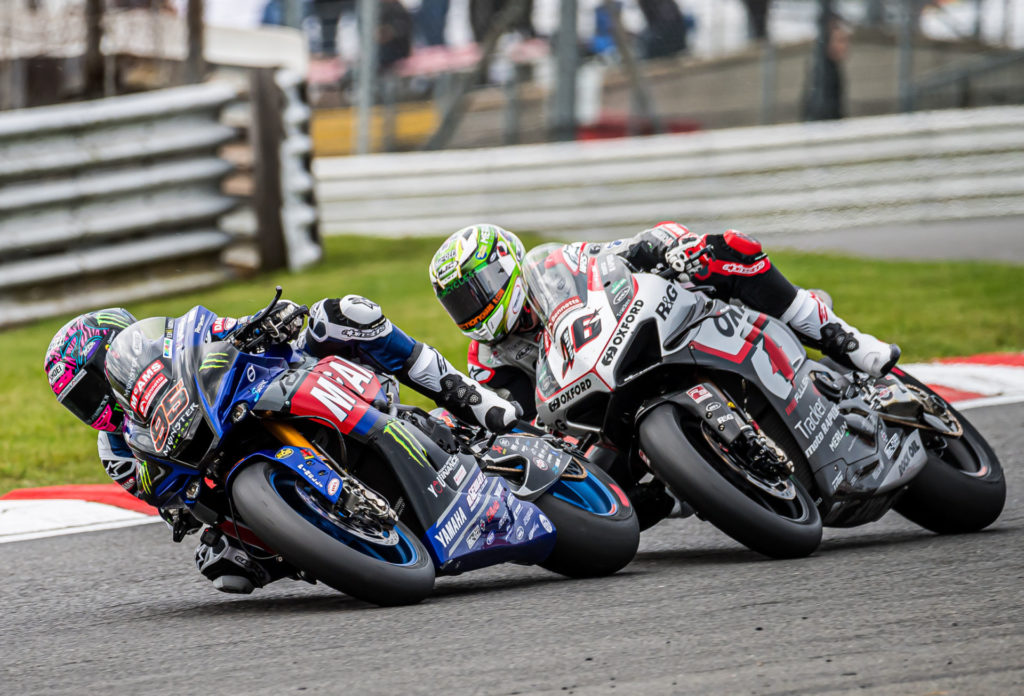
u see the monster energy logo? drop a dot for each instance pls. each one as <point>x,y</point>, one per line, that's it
<point>396,430</point>
<point>112,319</point>
<point>214,360</point>
<point>145,479</point>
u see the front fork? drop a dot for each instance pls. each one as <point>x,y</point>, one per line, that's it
<point>726,426</point>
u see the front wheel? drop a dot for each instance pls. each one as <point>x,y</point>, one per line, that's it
<point>961,488</point>
<point>785,525</point>
<point>389,567</point>
<point>596,530</point>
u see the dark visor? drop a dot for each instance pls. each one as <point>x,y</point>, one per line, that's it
<point>466,297</point>
<point>84,396</point>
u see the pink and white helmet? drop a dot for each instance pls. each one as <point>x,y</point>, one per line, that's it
<point>74,365</point>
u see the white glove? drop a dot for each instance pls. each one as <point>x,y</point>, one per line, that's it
<point>687,257</point>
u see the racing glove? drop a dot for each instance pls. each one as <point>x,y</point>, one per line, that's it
<point>689,255</point>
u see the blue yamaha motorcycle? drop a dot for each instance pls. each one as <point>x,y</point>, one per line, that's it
<point>290,454</point>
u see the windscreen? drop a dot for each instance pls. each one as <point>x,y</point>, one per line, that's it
<point>551,286</point>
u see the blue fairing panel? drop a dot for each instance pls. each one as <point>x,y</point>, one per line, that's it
<point>487,524</point>
<point>303,462</point>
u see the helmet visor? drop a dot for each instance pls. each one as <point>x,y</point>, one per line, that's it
<point>470,300</point>
<point>86,395</point>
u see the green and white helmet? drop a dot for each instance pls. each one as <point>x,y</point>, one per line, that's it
<point>478,279</point>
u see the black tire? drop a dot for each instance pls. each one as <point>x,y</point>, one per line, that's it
<point>959,490</point>
<point>675,460</point>
<point>279,521</point>
<point>590,545</point>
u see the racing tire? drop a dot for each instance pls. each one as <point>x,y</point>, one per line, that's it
<point>960,490</point>
<point>596,528</point>
<point>679,464</point>
<point>274,502</point>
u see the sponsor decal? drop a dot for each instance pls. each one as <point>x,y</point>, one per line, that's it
<point>491,511</point>
<point>451,528</point>
<point>490,538</point>
<point>213,361</point>
<point>473,536</point>
<point>892,445</point>
<point>168,347</point>
<point>398,432</point>
<point>460,474</point>
<point>667,302</point>
<point>541,464</point>
<point>569,393</point>
<point>222,325</point>
<point>620,334</point>
<point>698,393</point>
<point>143,382</point>
<point>816,424</point>
<point>545,523</point>
<point>561,310</point>
<point>713,406</point>
<point>908,454</point>
<point>836,439</point>
<point>284,453</point>
<point>155,386</point>
<point>485,312</point>
<point>307,453</point>
<point>740,269</point>
<point>314,478</point>
<point>55,372</point>
<point>837,480</point>
<point>250,373</point>
<point>474,490</point>
<point>333,486</point>
<point>727,417</point>
<point>533,531</point>
<point>520,533</point>
<point>436,488</point>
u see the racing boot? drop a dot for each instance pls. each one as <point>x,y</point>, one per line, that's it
<point>222,560</point>
<point>653,503</point>
<point>815,322</point>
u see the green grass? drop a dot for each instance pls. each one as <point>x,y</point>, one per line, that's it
<point>930,309</point>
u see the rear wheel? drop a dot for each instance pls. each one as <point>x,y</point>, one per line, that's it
<point>385,566</point>
<point>961,488</point>
<point>596,530</point>
<point>779,520</point>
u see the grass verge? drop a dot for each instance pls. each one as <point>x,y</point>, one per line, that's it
<point>930,309</point>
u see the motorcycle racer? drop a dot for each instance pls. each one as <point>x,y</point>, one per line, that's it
<point>351,326</point>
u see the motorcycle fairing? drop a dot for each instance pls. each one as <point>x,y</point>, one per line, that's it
<point>487,524</point>
<point>846,459</point>
<point>304,462</point>
<point>334,389</point>
<point>540,462</point>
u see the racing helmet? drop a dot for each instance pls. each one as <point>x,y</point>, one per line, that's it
<point>478,279</point>
<point>74,365</point>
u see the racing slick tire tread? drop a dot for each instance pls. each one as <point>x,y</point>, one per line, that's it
<point>947,500</point>
<point>675,460</point>
<point>323,557</point>
<point>589,545</point>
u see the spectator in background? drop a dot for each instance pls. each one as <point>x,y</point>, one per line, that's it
<point>825,94</point>
<point>483,13</point>
<point>666,30</point>
<point>431,19</point>
<point>394,34</point>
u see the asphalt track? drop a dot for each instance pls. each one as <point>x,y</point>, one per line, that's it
<point>883,609</point>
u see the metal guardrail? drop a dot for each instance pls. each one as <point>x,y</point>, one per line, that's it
<point>110,201</point>
<point>938,165</point>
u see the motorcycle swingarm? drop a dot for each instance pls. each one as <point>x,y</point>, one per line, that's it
<point>302,461</point>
